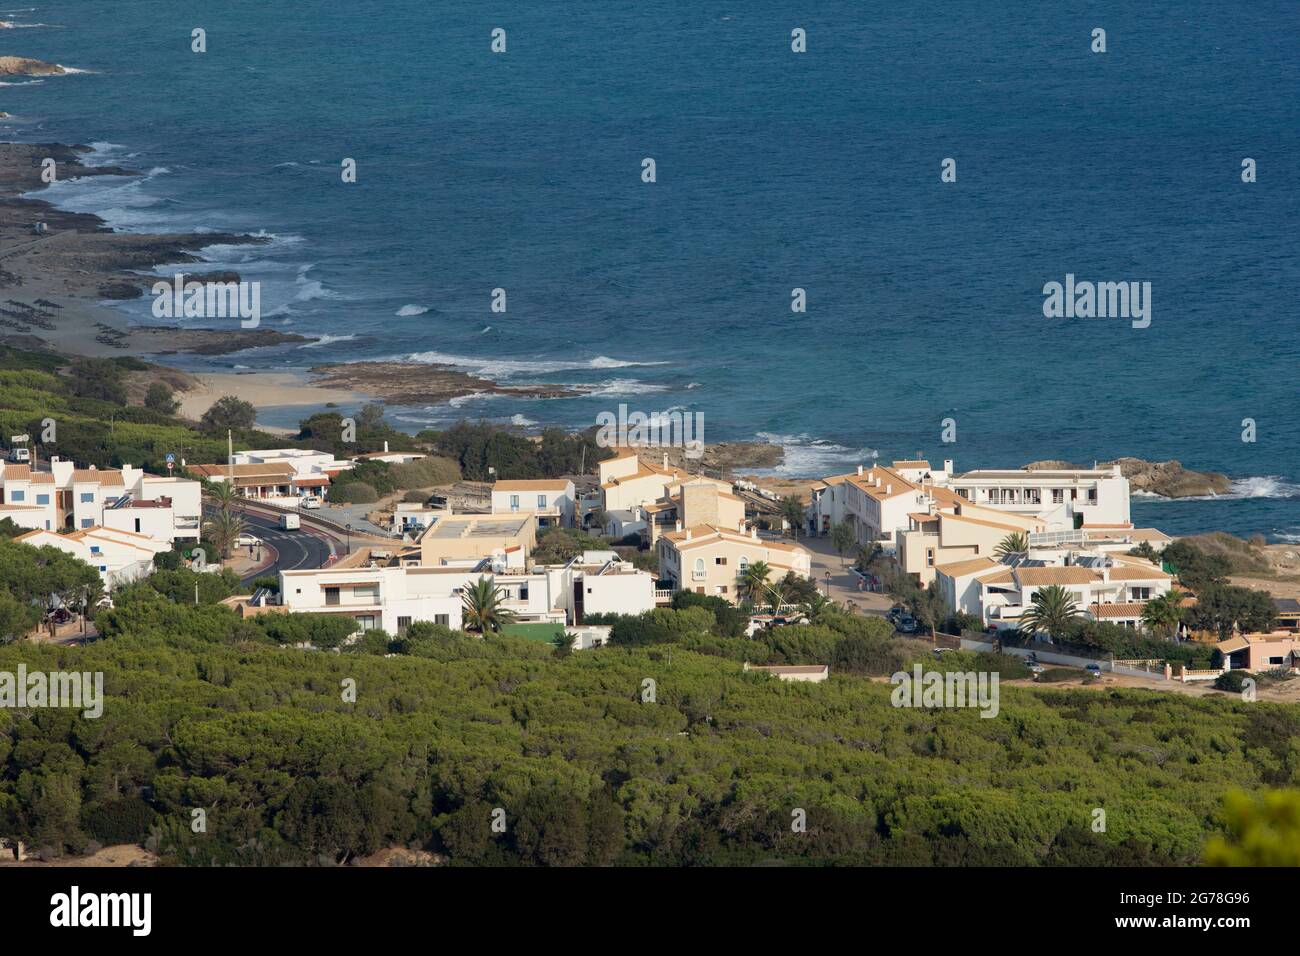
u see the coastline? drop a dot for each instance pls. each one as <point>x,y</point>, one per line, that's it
<point>54,288</point>
<point>53,285</point>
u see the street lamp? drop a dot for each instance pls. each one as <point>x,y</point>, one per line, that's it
<point>828,584</point>
<point>349,527</point>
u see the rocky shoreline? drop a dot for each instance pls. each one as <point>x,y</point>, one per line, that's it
<point>1168,479</point>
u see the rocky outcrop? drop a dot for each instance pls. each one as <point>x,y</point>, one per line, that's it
<point>23,66</point>
<point>1169,479</point>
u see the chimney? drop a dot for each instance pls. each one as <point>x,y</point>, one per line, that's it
<point>688,534</point>
<point>859,469</point>
<point>679,526</point>
<point>753,532</point>
<point>947,465</point>
<point>665,461</point>
<point>889,489</point>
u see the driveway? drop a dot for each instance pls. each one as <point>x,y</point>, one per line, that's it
<point>843,582</point>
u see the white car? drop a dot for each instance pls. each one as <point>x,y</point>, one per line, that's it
<point>248,541</point>
<point>310,502</point>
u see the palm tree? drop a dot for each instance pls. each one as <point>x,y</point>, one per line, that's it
<point>1015,543</point>
<point>1051,609</point>
<point>817,607</point>
<point>222,529</point>
<point>223,493</point>
<point>753,581</point>
<point>483,607</point>
<point>777,594</point>
<point>1163,614</point>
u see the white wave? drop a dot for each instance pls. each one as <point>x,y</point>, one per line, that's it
<point>460,400</point>
<point>412,309</point>
<point>327,340</point>
<point>71,70</point>
<point>808,456</point>
<point>616,387</point>
<point>24,83</point>
<point>522,421</point>
<point>506,368</point>
<point>1263,486</point>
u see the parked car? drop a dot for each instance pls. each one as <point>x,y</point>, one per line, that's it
<point>907,624</point>
<point>311,502</point>
<point>248,541</point>
<point>1035,667</point>
<point>1094,669</point>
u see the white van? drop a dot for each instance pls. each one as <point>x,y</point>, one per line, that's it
<point>290,522</point>
<point>310,502</point>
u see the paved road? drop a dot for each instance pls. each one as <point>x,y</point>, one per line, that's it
<point>297,550</point>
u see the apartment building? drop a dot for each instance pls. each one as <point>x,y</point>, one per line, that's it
<point>692,503</point>
<point>710,560</point>
<point>955,530</point>
<point>627,482</point>
<point>1104,587</point>
<point>391,591</point>
<point>128,499</point>
<point>1072,498</point>
<point>551,500</point>
<point>120,556</point>
<point>880,503</point>
<point>507,539</point>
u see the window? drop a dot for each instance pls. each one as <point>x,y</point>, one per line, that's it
<point>103,567</point>
<point>42,499</point>
<point>402,624</point>
<point>514,502</point>
<point>1058,496</point>
<point>19,495</point>
<point>541,501</point>
<point>94,549</point>
<point>1092,496</point>
<point>367,622</point>
<point>443,619</point>
<point>929,557</point>
<point>137,525</point>
<point>722,562</point>
<point>331,596</point>
<point>87,497</point>
<point>366,592</point>
<point>699,565</point>
<point>1140,594</point>
<point>523,592</point>
<point>1275,660</point>
<point>87,522</point>
<point>743,563</point>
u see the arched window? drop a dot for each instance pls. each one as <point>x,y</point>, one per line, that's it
<point>744,563</point>
<point>699,565</point>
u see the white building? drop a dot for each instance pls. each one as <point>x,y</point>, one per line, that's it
<point>1105,587</point>
<point>392,591</point>
<point>1084,497</point>
<point>71,498</point>
<point>550,499</point>
<point>120,556</point>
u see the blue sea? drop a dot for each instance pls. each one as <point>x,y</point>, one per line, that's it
<point>775,170</point>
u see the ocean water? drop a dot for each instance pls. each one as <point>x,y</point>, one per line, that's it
<point>774,170</point>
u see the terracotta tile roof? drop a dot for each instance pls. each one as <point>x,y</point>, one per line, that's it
<point>535,484</point>
<point>707,533</point>
<point>42,478</point>
<point>956,569</point>
<point>1130,573</point>
<point>1127,609</point>
<point>1042,577</point>
<point>14,472</point>
<point>272,469</point>
<point>103,476</point>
